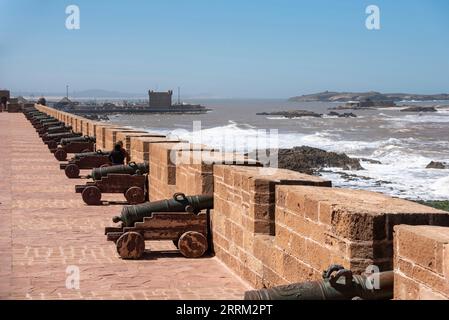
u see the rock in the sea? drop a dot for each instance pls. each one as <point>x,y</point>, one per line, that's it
<point>437,165</point>
<point>419,109</point>
<point>310,160</point>
<point>370,160</point>
<point>291,114</point>
<point>342,115</point>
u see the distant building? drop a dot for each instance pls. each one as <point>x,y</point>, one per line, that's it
<point>160,99</point>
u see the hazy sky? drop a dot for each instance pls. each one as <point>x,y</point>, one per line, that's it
<point>225,48</point>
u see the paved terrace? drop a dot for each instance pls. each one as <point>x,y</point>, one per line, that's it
<point>46,227</point>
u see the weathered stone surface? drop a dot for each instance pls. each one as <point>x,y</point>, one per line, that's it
<point>421,262</point>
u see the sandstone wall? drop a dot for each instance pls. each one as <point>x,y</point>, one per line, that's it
<point>126,136</point>
<point>421,262</point>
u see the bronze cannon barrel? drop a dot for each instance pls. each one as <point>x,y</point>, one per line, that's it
<point>179,203</point>
<point>59,136</point>
<point>41,119</point>
<point>342,286</point>
<point>42,128</point>
<point>52,123</point>
<point>33,112</point>
<point>91,154</point>
<point>66,141</point>
<point>58,129</point>
<point>38,117</point>
<point>46,119</point>
<point>130,168</point>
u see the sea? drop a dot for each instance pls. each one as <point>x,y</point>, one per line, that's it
<point>404,143</point>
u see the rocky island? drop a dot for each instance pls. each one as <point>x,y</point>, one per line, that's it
<point>333,96</point>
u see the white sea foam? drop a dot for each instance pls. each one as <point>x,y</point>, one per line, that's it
<point>440,117</point>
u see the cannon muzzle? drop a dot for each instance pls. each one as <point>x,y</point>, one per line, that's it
<point>130,168</point>
<point>337,284</point>
<point>179,203</point>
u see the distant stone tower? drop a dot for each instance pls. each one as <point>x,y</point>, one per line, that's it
<point>160,99</point>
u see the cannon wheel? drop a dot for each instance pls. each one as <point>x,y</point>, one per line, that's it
<point>92,196</point>
<point>60,154</point>
<point>130,245</point>
<point>72,171</point>
<point>135,195</point>
<point>192,244</point>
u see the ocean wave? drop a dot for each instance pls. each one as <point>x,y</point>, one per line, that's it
<point>419,118</point>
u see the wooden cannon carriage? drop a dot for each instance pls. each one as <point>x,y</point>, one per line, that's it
<point>188,231</point>
<point>133,187</point>
<point>88,161</point>
<point>182,219</point>
<point>74,145</point>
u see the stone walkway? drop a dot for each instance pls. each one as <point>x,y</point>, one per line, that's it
<point>47,233</point>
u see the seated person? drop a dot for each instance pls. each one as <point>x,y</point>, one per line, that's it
<point>117,155</point>
<point>127,157</point>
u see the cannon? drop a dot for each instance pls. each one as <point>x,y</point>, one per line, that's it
<point>74,145</point>
<point>183,220</point>
<point>34,117</point>
<point>338,283</point>
<point>93,153</point>
<point>39,116</point>
<point>86,160</point>
<point>43,119</point>
<point>55,129</point>
<point>130,168</point>
<point>31,111</point>
<point>60,135</point>
<point>32,114</point>
<point>40,119</point>
<point>41,129</point>
<point>125,179</point>
<point>52,140</point>
<point>39,124</point>
<point>180,202</point>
